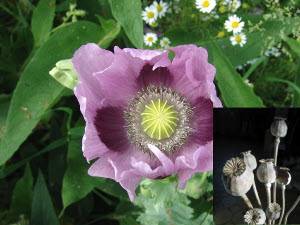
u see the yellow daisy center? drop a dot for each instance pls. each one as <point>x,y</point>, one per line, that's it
<point>159,119</point>
<point>159,8</point>
<point>221,34</point>
<point>205,4</point>
<point>235,24</point>
<point>150,15</point>
<point>165,42</point>
<point>222,9</point>
<point>150,39</point>
<point>238,39</point>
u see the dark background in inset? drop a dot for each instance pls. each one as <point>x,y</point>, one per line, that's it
<point>241,129</point>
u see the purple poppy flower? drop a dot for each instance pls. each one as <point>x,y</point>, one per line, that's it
<point>145,115</point>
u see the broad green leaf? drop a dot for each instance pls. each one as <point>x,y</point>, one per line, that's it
<point>4,105</point>
<point>234,92</point>
<point>4,172</point>
<point>296,99</point>
<point>111,28</point>
<point>22,194</point>
<point>42,211</point>
<point>254,66</point>
<point>77,183</point>
<point>290,83</point>
<point>294,45</point>
<point>37,90</point>
<point>129,14</point>
<point>42,20</point>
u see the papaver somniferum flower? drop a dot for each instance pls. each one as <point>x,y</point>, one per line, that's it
<point>146,116</point>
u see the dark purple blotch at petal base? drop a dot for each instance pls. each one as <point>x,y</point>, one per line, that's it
<point>159,77</point>
<point>110,123</point>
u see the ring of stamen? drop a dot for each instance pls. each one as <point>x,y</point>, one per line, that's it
<point>158,116</point>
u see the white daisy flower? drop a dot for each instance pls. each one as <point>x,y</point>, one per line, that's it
<point>275,51</point>
<point>165,42</point>
<point>267,53</point>
<point>235,4</point>
<point>240,67</point>
<point>150,14</point>
<point>238,39</point>
<point>252,61</point>
<point>150,39</point>
<point>234,24</point>
<point>205,6</point>
<point>161,8</point>
<point>176,9</point>
<point>247,81</point>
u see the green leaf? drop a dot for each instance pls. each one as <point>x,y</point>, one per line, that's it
<point>22,194</point>
<point>296,99</point>
<point>254,66</point>
<point>199,185</point>
<point>290,83</point>
<point>77,183</point>
<point>294,45</point>
<point>129,14</point>
<point>111,28</point>
<point>36,90</point>
<point>4,172</point>
<point>42,20</point>
<point>163,203</point>
<point>234,92</point>
<point>42,211</point>
<point>4,105</point>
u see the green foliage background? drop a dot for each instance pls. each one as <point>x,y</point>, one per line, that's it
<point>43,175</point>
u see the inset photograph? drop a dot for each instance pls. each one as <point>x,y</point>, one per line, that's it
<point>256,166</point>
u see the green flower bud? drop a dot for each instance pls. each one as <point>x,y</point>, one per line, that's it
<point>65,74</point>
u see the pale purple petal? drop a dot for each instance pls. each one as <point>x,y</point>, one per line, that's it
<point>200,161</point>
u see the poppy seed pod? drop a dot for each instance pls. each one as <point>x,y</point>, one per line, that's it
<point>279,127</point>
<point>273,211</point>
<point>249,159</point>
<point>283,176</point>
<point>255,216</point>
<point>237,179</point>
<point>266,172</point>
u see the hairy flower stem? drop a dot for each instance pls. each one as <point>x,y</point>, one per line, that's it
<point>256,194</point>
<point>283,204</point>
<point>291,209</point>
<point>247,201</point>
<point>276,144</point>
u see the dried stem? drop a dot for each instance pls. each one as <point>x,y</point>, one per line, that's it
<point>247,201</point>
<point>276,144</point>
<point>256,194</point>
<point>283,203</point>
<point>291,209</point>
<point>268,190</point>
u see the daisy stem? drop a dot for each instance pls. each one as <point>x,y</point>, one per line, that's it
<point>256,194</point>
<point>276,144</point>
<point>283,204</point>
<point>247,201</point>
<point>291,209</point>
